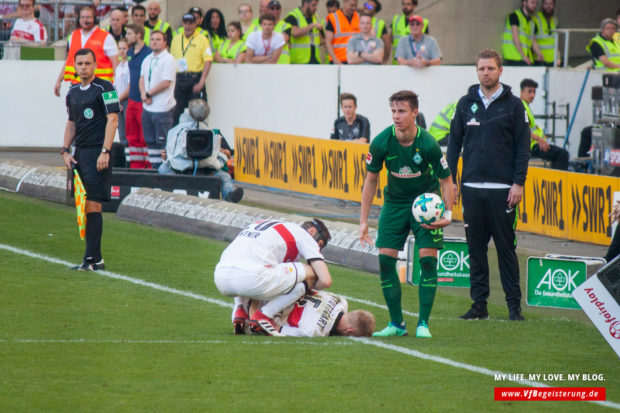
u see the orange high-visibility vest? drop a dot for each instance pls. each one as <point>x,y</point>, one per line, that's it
<point>104,69</point>
<point>343,30</point>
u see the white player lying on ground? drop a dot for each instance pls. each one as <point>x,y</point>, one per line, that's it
<point>320,314</point>
<point>262,263</point>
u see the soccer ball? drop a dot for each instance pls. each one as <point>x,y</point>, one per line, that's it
<point>428,208</point>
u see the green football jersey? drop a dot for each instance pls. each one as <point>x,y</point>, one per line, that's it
<point>412,170</point>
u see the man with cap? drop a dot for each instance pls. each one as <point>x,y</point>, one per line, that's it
<point>400,24</point>
<point>192,51</point>
<point>418,50</point>
<point>199,16</point>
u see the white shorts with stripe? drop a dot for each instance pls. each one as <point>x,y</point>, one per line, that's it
<point>263,284</point>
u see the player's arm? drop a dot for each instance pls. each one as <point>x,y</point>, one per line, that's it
<point>368,194</point>
<point>447,194</point>
<point>323,277</point>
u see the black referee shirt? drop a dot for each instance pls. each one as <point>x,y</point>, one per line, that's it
<point>88,109</point>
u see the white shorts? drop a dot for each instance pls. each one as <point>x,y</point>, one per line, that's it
<point>263,284</point>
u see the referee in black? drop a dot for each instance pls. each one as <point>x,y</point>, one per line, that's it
<point>491,126</point>
<point>93,109</point>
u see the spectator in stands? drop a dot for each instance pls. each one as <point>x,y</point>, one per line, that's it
<point>194,63</point>
<point>138,16</point>
<point>614,248</point>
<point>379,28</point>
<point>138,153</point>
<point>233,49</point>
<point>99,41</point>
<point>519,44</point>
<point>351,126</point>
<point>332,6</point>
<point>539,146</point>
<point>275,8</point>
<point>157,78</point>
<point>176,159</point>
<point>197,12</point>
<point>125,12</point>
<point>116,27</point>
<point>245,19</point>
<point>365,48</point>
<point>605,52</point>
<point>264,46</point>
<point>341,25</point>
<point>400,24</point>
<point>545,23</point>
<point>306,33</point>
<point>27,29</point>
<point>215,28</point>
<point>155,23</point>
<point>418,50</point>
<point>440,128</point>
<point>121,84</point>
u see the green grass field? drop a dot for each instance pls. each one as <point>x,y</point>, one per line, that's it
<point>153,334</point>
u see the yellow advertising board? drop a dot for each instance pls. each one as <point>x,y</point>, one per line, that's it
<point>555,203</point>
<point>329,168</point>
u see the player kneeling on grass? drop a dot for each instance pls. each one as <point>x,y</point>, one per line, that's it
<point>263,263</point>
<point>321,314</point>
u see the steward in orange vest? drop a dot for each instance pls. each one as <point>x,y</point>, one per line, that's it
<point>339,29</point>
<point>104,70</point>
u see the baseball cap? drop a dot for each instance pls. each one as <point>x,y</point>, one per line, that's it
<point>189,17</point>
<point>416,18</point>
<point>274,4</point>
<point>197,10</point>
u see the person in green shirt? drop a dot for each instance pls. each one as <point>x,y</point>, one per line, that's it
<point>415,165</point>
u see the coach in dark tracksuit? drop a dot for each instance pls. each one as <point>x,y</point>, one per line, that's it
<point>93,108</point>
<point>491,126</point>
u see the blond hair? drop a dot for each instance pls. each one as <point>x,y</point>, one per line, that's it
<point>363,323</point>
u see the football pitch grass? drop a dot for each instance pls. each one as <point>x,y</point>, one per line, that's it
<point>153,334</point>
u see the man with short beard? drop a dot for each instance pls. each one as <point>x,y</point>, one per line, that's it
<point>155,23</point>
<point>519,44</point>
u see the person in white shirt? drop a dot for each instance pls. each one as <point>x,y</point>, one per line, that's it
<point>321,314</point>
<point>27,28</point>
<point>263,263</point>
<point>121,84</point>
<point>264,46</point>
<point>157,80</point>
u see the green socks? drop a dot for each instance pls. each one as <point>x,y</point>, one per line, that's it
<point>428,286</point>
<point>390,285</point>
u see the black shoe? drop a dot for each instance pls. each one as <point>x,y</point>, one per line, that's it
<point>476,312</point>
<point>514,314</point>
<point>90,265</point>
<point>235,195</point>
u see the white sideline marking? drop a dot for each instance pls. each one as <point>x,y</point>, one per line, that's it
<point>19,184</point>
<point>371,342</point>
<point>373,304</point>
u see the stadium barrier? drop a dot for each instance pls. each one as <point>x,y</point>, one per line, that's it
<point>560,204</point>
<point>37,181</point>
<point>223,220</point>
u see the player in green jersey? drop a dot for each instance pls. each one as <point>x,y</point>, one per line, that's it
<point>415,165</point>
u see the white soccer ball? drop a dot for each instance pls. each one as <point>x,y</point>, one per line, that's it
<point>428,208</point>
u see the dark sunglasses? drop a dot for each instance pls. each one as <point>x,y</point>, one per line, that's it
<point>369,6</point>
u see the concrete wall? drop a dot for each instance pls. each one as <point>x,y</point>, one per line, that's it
<point>450,20</point>
<point>299,100</point>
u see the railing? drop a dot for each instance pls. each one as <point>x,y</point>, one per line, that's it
<point>567,33</point>
<point>58,26</point>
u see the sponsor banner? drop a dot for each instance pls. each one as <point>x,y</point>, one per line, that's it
<point>601,308</point>
<point>550,282</point>
<point>330,168</point>
<point>452,263</point>
<point>561,204</point>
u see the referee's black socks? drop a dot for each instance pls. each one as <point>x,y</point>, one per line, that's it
<point>94,228</point>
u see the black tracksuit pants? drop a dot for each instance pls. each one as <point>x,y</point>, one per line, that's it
<point>485,217</point>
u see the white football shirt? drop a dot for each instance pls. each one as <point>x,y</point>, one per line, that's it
<point>269,243</point>
<point>314,315</point>
<point>29,30</point>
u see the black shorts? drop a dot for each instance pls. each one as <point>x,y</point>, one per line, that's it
<point>96,183</point>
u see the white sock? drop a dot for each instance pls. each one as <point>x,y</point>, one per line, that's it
<point>278,304</point>
<point>237,301</point>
